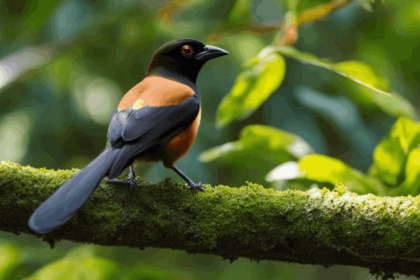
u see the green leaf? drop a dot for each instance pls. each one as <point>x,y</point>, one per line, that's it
<point>142,272</point>
<point>405,20</point>
<point>321,168</point>
<point>388,161</point>
<point>8,260</point>
<point>324,169</point>
<point>246,45</point>
<point>407,132</point>
<point>395,105</point>
<point>304,57</point>
<point>411,184</point>
<point>265,52</point>
<point>220,151</point>
<point>366,4</point>
<point>391,153</point>
<point>259,149</point>
<point>252,87</point>
<point>78,268</point>
<point>353,70</point>
<point>260,140</point>
<point>239,15</point>
<point>362,74</point>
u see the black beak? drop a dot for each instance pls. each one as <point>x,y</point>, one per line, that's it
<point>210,52</point>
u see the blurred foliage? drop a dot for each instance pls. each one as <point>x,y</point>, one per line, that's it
<point>8,260</point>
<point>78,265</point>
<point>390,156</point>
<point>65,64</point>
<point>260,146</point>
<point>251,89</point>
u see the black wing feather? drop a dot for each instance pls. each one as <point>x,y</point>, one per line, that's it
<point>147,127</point>
<point>155,121</point>
<point>116,125</point>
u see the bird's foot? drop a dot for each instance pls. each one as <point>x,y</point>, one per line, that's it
<point>197,187</point>
<point>131,180</point>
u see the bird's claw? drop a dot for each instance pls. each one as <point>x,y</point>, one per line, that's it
<point>130,181</point>
<point>197,187</point>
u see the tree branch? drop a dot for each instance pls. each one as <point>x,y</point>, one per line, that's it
<point>315,227</point>
<point>319,12</point>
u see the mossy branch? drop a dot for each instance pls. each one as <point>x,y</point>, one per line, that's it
<point>315,227</point>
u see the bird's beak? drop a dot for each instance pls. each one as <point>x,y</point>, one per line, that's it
<point>210,52</point>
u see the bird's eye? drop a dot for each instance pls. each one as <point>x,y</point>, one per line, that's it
<point>187,50</point>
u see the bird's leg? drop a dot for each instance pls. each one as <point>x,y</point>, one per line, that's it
<point>132,175</point>
<point>131,179</point>
<point>190,183</point>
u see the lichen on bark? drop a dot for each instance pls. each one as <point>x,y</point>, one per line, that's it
<point>315,227</point>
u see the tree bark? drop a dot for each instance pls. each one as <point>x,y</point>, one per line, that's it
<point>315,227</point>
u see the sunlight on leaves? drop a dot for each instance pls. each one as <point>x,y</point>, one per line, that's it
<point>346,69</point>
<point>407,132</point>
<point>304,57</point>
<point>325,169</point>
<point>95,97</point>
<point>362,74</point>
<point>78,268</point>
<point>15,131</point>
<point>21,62</point>
<point>395,105</point>
<point>265,52</point>
<point>261,140</point>
<point>220,151</point>
<point>411,184</point>
<point>406,20</point>
<point>388,161</point>
<point>8,260</point>
<point>286,171</point>
<point>391,153</point>
<point>366,4</point>
<point>78,263</point>
<point>252,87</point>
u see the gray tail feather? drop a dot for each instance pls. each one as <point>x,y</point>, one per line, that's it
<point>61,206</point>
<point>123,160</point>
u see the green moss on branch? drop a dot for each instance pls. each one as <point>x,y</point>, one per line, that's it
<point>315,227</point>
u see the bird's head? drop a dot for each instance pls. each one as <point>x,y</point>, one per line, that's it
<point>183,57</point>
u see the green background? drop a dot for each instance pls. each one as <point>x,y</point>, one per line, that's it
<point>64,66</point>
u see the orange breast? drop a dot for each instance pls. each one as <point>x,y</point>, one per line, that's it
<point>178,146</point>
<point>155,91</point>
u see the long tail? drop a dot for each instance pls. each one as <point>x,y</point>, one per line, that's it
<point>70,197</point>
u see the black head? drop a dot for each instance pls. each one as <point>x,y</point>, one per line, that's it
<point>183,57</point>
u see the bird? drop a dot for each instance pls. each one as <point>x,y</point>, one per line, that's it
<point>156,120</point>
